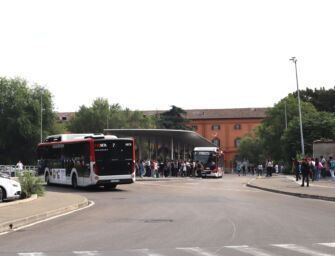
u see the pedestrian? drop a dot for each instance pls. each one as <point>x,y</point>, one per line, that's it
<point>260,170</point>
<point>238,168</point>
<point>297,169</point>
<point>305,170</point>
<point>200,168</point>
<point>324,166</point>
<point>319,167</point>
<point>332,168</point>
<point>313,169</point>
<point>142,169</point>
<point>19,166</point>
<point>269,167</point>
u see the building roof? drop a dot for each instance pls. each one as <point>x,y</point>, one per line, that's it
<point>183,137</point>
<point>234,113</point>
<point>196,114</point>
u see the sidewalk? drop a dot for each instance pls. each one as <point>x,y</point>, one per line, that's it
<point>324,189</point>
<point>24,212</point>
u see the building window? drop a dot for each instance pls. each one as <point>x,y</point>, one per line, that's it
<point>215,127</point>
<point>194,127</point>
<point>237,142</point>
<point>64,118</point>
<point>216,142</point>
<point>237,126</point>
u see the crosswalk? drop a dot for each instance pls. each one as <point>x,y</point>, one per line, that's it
<point>314,249</point>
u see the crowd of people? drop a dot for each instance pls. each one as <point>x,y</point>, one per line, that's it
<point>178,168</point>
<point>305,169</point>
<point>243,168</point>
<point>310,168</point>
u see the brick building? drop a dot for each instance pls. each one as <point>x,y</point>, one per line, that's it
<point>225,127</point>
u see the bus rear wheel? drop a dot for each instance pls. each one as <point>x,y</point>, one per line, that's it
<point>110,186</point>
<point>47,179</point>
<point>74,181</point>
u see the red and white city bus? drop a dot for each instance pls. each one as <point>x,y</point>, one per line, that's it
<point>212,160</point>
<point>83,160</point>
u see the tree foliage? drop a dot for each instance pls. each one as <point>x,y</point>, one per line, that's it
<point>322,99</point>
<point>173,119</point>
<point>251,148</point>
<point>102,115</point>
<point>272,129</point>
<point>20,119</point>
<point>278,143</point>
<point>316,125</point>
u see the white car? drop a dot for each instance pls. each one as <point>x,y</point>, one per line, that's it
<point>9,189</point>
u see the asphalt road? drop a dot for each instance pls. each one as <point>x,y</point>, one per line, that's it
<point>183,217</point>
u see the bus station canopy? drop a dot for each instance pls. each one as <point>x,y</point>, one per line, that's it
<point>174,138</point>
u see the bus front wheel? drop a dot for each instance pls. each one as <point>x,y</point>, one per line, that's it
<point>74,181</point>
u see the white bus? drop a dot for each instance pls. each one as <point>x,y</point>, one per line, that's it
<point>212,160</point>
<point>87,160</point>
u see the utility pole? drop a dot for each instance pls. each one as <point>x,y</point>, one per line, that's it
<point>294,59</point>
<point>285,116</point>
<point>41,119</point>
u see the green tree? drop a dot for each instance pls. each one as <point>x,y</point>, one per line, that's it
<point>101,115</point>
<point>272,129</point>
<point>251,148</point>
<point>20,119</point>
<point>173,119</point>
<point>322,99</point>
<point>316,125</point>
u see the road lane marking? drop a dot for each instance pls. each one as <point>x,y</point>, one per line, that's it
<point>249,250</point>
<point>31,254</point>
<point>197,251</point>
<point>301,249</point>
<point>328,244</point>
<point>147,252</point>
<point>86,253</point>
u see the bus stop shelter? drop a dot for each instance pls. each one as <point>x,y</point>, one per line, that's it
<point>152,142</point>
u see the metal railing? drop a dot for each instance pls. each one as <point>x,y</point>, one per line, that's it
<point>14,171</point>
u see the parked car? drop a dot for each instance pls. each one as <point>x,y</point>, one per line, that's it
<point>9,188</point>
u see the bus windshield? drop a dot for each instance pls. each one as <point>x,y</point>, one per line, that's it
<point>114,157</point>
<point>207,158</point>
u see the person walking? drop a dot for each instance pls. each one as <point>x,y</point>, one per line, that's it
<point>318,168</point>
<point>305,170</point>
<point>260,169</point>
<point>238,169</point>
<point>19,166</point>
<point>332,168</point>
<point>142,169</point>
<point>297,169</point>
<point>269,167</point>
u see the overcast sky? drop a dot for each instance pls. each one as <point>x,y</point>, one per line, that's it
<point>149,55</point>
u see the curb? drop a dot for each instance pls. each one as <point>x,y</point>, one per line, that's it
<point>19,201</point>
<point>301,195</point>
<point>15,224</point>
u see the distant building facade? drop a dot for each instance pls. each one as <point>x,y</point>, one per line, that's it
<point>226,127</point>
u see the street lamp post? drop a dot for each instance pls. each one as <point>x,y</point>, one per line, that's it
<point>294,59</point>
<point>41,120</point>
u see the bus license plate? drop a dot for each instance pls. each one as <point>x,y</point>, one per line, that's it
<point>115,181</point>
